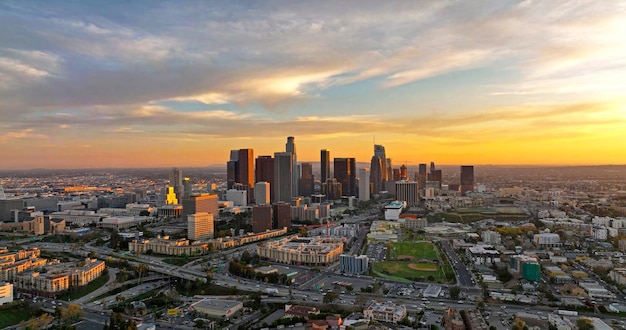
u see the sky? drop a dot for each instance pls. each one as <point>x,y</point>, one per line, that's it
<point>93,84</point>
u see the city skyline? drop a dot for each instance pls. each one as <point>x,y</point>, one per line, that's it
<point>182,84</point>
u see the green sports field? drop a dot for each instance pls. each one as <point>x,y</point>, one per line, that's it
<point>413,261</point>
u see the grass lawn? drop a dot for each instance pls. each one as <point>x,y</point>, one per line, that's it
<point>180,261</point>
<point>404,262</point>
<point>87,289</point>
<point>406,269</point>
<point>417,250</point>
<point>15,313</point>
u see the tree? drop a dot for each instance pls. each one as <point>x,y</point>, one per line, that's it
<point>518,324</point>
<point>330,297</point>
<point>584,324</point>
<point>455,291</point>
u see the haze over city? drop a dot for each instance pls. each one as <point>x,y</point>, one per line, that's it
<point>147,84</point>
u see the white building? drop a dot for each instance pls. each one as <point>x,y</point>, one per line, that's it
<point>483,254</point>
<point>600,233</point>
<point>239,197</point>
<point>547,240</point>
<point>200,226</point>
<point>262,193</point>
<point>393,210</point>
<point>353,264</point>
<point>364,184</point>
<point>491,237</point>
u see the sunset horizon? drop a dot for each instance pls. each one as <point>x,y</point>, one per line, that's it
<point>182,84</point>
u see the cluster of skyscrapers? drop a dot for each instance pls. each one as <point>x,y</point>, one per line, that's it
<point>281,179</point>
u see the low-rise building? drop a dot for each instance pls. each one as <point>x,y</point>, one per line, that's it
<point>217,308</point>
<point>163,245</point>
<point>6,293</point>
<point>312,251</point>
<point>385,311</point>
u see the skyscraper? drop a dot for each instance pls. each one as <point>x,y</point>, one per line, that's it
<point>379,151</point>
<point>283,177</point>
<point>364,184</point>
<point>467,179</point>
<point>325,165</point>
<point>200,226</point>
<point>265,171</point>
<point>245,170</point>
<point>407,191</point>
<point>262,193</point>
<point>290,146</point>
<point>176,181</point>
<point>376,174</point>
<point>281,214</point>
<point>345,173</point>
<point>421,174</point>
<point>306,180</point>
<point>261,218</point>
<point>200,203</point>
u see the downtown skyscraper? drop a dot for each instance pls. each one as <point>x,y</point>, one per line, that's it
<point>283,177</point>
<point>240,169</point>
<point>378,169</point>
<point>345,173</point>
<point>467,179</point>
<point>290,147</point>
<point>324,165</point>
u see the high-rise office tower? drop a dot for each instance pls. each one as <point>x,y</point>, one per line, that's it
<point>290,146</point>
<point>283,177</point>
<point>436,176</point>
<point>332,189</point>
<point>262,193</point>
<point>421,174</point>
<point>261,218</point>
<point>200,226</point>
<point>187,186</point>
<point>432,167</point>
<point>396,175</point>
<point>198,203</point>
<point>379,151</point>
<point>307,179</point>
<point>265,171</point>
<point>232,169</point>
<point>389,169</point>
<point>376,174</point>
<point>467,179</point>
<point>176,181</point>
<point>325,165</point>
<point>364,184</point>
<point>245,170</point>
<point>407,191</point>
<point>281,213</point>
<point>345,173</point>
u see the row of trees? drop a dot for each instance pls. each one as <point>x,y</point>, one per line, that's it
<point>238,269</point>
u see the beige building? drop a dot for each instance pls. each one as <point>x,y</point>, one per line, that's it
<point>415,224</point>
<point>59,277</point>
<point>217,308</point>
<point>6,293</point>
<point>162,245</point>
<point>200,226</point>
<point>385,311</point>
<point>311,251</point>
<point>34,226</point>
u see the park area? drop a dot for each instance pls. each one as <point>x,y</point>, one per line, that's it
<point>412,261</point>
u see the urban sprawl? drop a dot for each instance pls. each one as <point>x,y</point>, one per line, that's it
<point>272,242</point>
